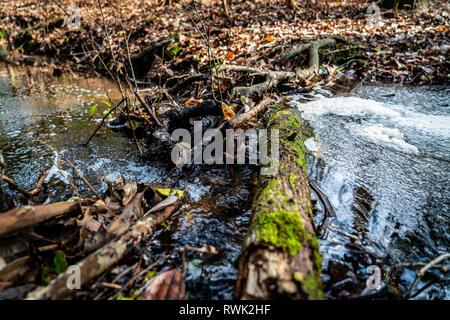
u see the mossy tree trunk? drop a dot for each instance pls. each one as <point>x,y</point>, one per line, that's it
<point>281,257</point>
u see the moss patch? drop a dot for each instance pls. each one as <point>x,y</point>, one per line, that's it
<point>290,125</point>
<point>283,229</point>
<point>313,286</point>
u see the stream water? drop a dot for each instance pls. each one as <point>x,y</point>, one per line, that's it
<point>382,158</point>
<point>37,107</point>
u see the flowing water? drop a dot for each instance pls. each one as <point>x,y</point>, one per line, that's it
<point>382,158</point>
<point>41,114</point>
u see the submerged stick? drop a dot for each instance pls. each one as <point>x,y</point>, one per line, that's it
<point>103,120</point>
<point>84,179</point>
<point>424,270</point>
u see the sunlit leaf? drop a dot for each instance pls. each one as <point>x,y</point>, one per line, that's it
<point>228,113</point>
<point>166,192</point>
<point>93,109</point>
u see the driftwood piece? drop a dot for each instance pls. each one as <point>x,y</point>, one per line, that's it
<point>104,258</point>
<point>20,218</point>
<point>281,257</point>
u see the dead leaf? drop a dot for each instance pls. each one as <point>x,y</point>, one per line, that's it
<point>170,200</point>
<point>166,286</point>
<point>130,213</point>
<point>268,39</point>
<point>129,190</point>
<point>89,222</point>
<point>228,113</point>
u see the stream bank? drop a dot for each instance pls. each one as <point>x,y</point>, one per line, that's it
<point>398,212</point>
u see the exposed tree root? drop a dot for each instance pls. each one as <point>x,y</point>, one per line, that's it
<point>273,78</point>
<point>181,83</point>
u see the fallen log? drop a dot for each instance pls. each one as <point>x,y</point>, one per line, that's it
<point>20,218</point>
<point>280,256</point>
<point>178,117</point>
<point>101,260</point>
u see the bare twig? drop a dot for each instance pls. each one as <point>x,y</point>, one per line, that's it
<point>422,271</point>
<point>103,120</point>
<point>84,179</point>
<point>149,110</point>
<point>138,275</point>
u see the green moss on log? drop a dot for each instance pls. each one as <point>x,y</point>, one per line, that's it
<point>313,286</point>
<point>283,229</point>
<point>290,126</point>
<point>282,215</point>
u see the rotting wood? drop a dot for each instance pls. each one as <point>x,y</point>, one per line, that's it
<point>27,216</point>
<point>281,257</point>
<point>273,78</point>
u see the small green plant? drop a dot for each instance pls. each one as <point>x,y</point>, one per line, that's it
<point>175,50</point>
<point>93,109</point>
<point>51,271</point>
<point>60,262</point>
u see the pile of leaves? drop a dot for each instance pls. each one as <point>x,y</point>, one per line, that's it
<point>38,254</point>
<point>404,46</point>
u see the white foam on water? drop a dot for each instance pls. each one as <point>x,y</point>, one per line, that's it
<point>431,124</point>
<point>311,144</point>
<point>386,124</point>
<point>392,137</point>
<point>345,106</point>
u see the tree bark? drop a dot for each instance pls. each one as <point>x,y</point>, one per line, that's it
<point>281,257</point>
<point>20,218</point>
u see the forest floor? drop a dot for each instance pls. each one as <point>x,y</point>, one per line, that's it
<point>401,46</point>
